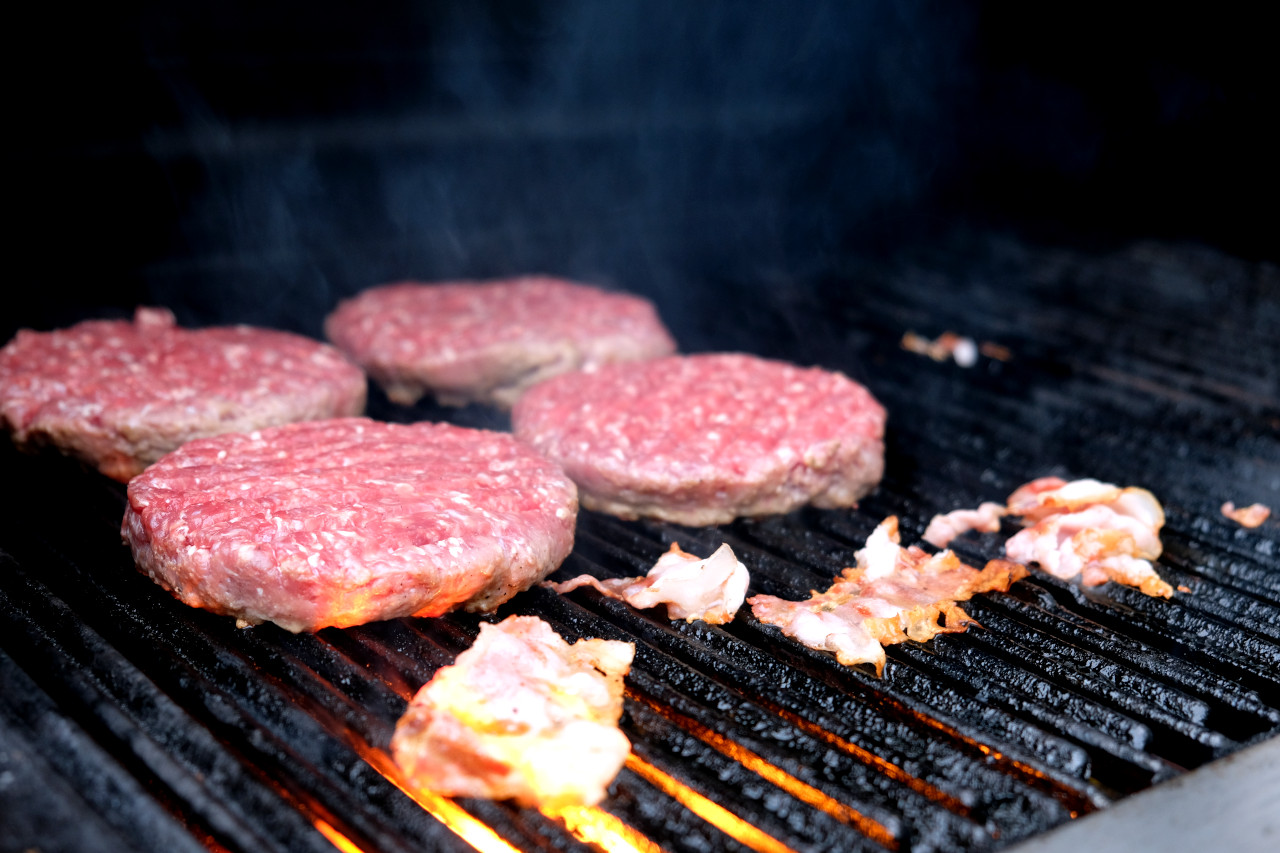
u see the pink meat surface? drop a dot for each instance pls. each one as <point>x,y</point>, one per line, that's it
<point>703,439</point>
<point>488,341</point>
<point>348,521</point>
<point>119,395</point>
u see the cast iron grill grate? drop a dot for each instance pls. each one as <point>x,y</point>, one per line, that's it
<point>133,722</point>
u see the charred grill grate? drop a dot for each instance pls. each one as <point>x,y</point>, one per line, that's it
<point>133,722</point>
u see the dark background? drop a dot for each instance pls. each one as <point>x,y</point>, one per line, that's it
<point>240,163</point>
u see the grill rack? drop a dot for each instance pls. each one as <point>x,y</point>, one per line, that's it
<point>133,722</point>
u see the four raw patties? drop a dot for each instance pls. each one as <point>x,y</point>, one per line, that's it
<point>348,521</point>
<point>489,341</point>
<point>702,439</point>
<point>119,395</point>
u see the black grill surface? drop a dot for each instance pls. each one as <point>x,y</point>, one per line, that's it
<point>129,721</point>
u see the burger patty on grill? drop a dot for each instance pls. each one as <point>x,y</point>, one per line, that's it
<point>120,395</point>
<point>703,439</point>
<point>348,521</point>
<point>489,341</point>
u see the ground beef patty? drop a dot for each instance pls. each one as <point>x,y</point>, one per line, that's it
<point>349,521</point>
<point>120,395</point>
<point>702,439</point>
<point>489,341</point>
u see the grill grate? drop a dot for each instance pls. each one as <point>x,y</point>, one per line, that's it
<point>128,721</point>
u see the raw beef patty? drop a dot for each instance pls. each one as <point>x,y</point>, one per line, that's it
<point>702,439</point>
<point>489,341</point>
<point>120,395</point>
<point>348,521</point>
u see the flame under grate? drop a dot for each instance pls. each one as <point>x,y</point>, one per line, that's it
<point>137,723</point>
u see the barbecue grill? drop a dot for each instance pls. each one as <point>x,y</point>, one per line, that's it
<point>129,721</point>
<point>134,722</point>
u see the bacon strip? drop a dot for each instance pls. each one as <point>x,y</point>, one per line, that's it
<point>1093,530</point>
<point>894,594</point>
<point>943,528</point>
<point>1247,516</point>
<point>521,714</point>
<point>710,589</point>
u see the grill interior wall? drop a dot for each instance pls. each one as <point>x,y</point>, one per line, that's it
<point>142,724</point>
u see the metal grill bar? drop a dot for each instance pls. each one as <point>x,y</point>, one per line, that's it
<point>166,728</point>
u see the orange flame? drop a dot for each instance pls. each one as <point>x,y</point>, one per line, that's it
<point>586,823</point>
<point>887,768</point>
<point>469,829</point>
<point>722,819</point>
<point>601,829</point>
<point>778,777</point>
<point>1076,803</point>
<point>337,839</point>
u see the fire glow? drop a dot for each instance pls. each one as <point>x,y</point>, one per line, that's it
<point>337,839</point>
<point>1076,804</point>
<point>718,816</point>
<point>602,830</point>
<point>607,833</point>
<point>586,823</point>
<point>888,768</point>
<point>776,776</point>
<point>459,822</point>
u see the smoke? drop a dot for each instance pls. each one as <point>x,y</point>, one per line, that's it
<point>679,150</point>
<point>239,163</point>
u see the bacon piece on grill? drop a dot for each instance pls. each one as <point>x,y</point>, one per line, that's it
<point>520,715</point>
<point>894,594</point>
<point>1093,530</point>
<point>1247,516</point>
<point>710,589</point>
<point>943,528</point>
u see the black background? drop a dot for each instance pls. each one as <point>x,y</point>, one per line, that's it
<point>241,163</point>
